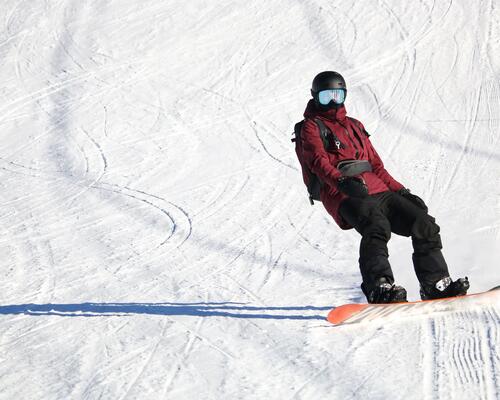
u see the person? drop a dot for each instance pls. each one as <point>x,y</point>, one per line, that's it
<point>358,192</point>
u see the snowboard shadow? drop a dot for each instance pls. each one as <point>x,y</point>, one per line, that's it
<point>223,309</point>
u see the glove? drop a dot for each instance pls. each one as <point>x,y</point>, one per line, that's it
<point>414,199</point>
<point>353,186</point>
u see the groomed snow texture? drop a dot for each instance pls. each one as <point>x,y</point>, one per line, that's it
<point>156,238</point>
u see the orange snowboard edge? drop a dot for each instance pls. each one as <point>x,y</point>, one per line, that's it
<point>341,313</point>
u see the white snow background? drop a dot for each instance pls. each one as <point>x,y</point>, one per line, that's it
<point>156,238</point>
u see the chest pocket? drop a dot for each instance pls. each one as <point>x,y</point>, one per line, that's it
<point>356,136</point>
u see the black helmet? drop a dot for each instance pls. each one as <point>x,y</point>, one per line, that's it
<point>327,80</point>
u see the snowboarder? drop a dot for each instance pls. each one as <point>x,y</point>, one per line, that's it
<point>358,192</point>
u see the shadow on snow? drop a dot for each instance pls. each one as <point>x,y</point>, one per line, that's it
<point>225,309</point>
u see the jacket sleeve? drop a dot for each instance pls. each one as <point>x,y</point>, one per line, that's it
<point>380,171</point>
<point>315,155</point>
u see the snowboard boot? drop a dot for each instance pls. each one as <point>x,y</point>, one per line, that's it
<point>444,288</point>
<point>383,291</point>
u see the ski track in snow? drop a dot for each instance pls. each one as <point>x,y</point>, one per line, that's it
<point>156,238</point>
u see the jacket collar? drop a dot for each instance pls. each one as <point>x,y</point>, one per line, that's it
<point>333,114</point>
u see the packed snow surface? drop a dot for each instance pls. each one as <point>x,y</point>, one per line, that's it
<point>156,238</point>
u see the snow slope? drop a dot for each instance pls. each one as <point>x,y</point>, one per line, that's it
<point>156,239</point>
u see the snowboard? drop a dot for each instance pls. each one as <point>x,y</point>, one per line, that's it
<point>364,312</point>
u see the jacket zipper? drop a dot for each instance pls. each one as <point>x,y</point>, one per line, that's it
<point>351,140</point>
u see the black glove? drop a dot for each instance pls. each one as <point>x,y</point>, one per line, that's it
<point>414,199</point>
<point>353,186</point>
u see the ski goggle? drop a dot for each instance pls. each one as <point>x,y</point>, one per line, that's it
<point>335,95</point>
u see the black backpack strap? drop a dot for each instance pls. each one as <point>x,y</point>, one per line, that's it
<point>357,124</point>
<point>324,131</point>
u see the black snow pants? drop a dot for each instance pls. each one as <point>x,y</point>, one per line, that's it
<point>375,217</point>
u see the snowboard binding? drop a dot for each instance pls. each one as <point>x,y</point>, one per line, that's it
<point>445,287</point>
<point>383,291</point>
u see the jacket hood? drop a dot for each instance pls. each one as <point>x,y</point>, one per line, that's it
<point>334,114</point>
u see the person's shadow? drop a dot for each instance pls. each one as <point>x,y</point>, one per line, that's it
<point>223,309</point>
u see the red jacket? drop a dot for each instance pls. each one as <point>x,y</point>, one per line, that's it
<point>356,146</point>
